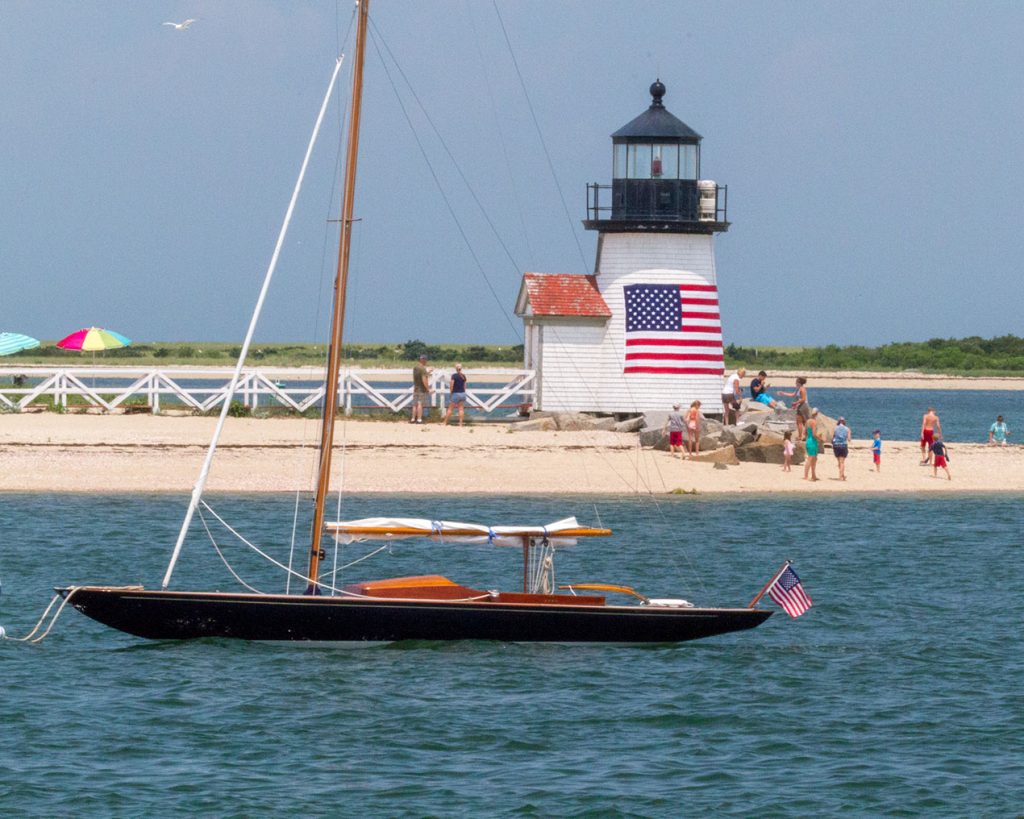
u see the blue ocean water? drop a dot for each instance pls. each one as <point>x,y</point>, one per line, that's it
<point>897,694</point>
<point>966,415</point>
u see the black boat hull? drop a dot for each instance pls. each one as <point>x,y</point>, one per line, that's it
<point>168,615</point>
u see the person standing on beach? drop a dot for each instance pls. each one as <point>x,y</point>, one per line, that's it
<point>998,433</point>
<point>732,394</point>
<point>841,445</point>
<point>788,448</point>
<point>420,389</point>
<point>812,444</point>
<point>693,429</point>
<point>803,409</point>
<point>876,449</point>
<point>674,426</point>
<point>941,458</point>
<point>457,396</point>
<point>931,429</point>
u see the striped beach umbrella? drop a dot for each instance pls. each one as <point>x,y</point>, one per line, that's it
<point>93,339</point>
<point>11,343</point>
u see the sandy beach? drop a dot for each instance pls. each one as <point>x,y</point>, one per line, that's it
<point>42,452</point>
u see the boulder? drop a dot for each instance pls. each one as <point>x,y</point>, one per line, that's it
<point>712,427</point>
<point>574,421</point>
<point>770,436</point>
<point>709,442</point>
<point>534,425</point>
<point>654,420</point>
<point>737,435</point>
<point>654,438</point>
<point>768,452</point>
<point>630,424</point>
<point>722,455</point>
<point>826,427</point>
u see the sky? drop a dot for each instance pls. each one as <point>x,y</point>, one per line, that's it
<point>873,153</point>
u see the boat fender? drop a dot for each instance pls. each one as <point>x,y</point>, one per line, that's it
<point>669,602</point>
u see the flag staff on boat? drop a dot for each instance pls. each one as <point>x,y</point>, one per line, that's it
<point>769,584</point>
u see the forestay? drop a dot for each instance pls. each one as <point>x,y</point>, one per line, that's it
<point>560,533</point>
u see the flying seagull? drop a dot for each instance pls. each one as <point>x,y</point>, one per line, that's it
<point>183,25</point>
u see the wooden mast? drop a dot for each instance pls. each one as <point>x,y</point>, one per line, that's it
<point>330,409</point>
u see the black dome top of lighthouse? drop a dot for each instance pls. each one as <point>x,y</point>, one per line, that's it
<point>656,123</point>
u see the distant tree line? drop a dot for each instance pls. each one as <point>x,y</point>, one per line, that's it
<point>298,353</point>
<point>411,350</point>
<point>1003,354</point>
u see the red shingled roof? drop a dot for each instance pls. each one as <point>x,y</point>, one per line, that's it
<point>564,294</point>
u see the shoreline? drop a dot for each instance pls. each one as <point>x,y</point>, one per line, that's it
<point>832,379</point>
<point>905,380</point>
<point>44,452</point>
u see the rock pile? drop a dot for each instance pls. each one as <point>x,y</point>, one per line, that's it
<point>755,438</point>
<point>574,421</point>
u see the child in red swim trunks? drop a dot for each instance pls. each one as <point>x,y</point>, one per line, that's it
<point>876,449</point>
<point>941,459</point>
<point>674,425</point>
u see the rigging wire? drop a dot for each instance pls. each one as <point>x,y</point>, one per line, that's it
<point>197,491</point>
<point>451,156</point>
<point>540,135</point>
<point>342,118</point>
<point>376,34</point>
<point>374,37</point>
<point>551,167</point>
<point>269,559</point>
<point>501,132</point>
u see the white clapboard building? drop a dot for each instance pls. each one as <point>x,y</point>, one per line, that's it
<point>644,332</point>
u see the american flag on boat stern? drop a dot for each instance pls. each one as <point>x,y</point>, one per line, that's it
<point>674,329</point>
<point>789,593</point>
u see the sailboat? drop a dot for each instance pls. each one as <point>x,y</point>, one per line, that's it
<point>428,607</point>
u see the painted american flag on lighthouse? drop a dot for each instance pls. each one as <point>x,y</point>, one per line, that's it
<point>674,329</point>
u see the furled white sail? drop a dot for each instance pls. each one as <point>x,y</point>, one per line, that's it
<point>560,533</point>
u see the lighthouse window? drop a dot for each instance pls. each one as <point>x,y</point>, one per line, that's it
<point>639,162</point>
<point>619,164</point>
<point>688,162</point>
<point>669,157</point>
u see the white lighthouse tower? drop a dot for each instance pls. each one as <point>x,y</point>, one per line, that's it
<point>647,333</point>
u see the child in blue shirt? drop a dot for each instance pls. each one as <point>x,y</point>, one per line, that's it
<point>876,449</point>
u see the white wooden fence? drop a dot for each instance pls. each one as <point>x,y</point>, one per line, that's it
<point>203,389</point>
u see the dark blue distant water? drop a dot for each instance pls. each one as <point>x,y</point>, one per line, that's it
<point>899,693</point>
<point>966,415</point>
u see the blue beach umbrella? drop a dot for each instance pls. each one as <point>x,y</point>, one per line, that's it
<point>11,343</point>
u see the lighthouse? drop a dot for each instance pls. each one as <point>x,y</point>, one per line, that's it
<point>644,331</point>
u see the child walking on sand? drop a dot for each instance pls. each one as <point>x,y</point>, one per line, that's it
<point>693,424</point>
<point>787,451</point>
<point>674,427</point>
<point>941,458</point>
<point>876,450</point>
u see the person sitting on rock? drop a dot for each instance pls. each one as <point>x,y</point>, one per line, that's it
<point>759,392</point>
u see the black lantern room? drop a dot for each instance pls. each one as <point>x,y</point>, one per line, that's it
<point>656,182</point>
